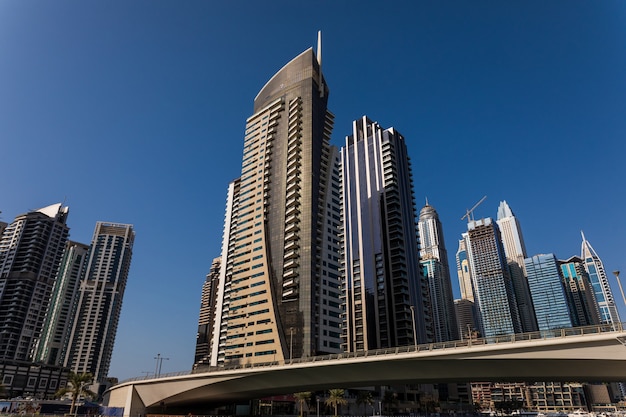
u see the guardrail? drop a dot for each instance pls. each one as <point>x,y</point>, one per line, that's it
<point>455,344</point>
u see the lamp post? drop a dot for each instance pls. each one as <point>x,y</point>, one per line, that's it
<point>159,362</point>
<point>619,283</point>
<point>318,406</point>
<point>290,344</point>
<point>414,330</point>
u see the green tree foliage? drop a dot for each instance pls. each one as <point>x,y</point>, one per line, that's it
<point>303,398</point>
<point>76,386</point>
<point>336,399</point>
<point>364,398</point>
<point>390,399</point>
<point>505,407</point>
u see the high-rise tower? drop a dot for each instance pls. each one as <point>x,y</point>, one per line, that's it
<point>582,299</point>
<point>434,258</point>
<point>515,251</point>
<point>100,298</point>
<point>548,292</point>
<point>206,320</point>
<point>52,345</point>
<point>493,290</point>
<point>276,297</point>
<point>600,283</point>
<point>464,270</point>
<point>386,297</point>
<point>31,248</point>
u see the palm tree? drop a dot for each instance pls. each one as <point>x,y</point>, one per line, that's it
<point>335,398</point>
<point>302,397</point>
<point>365,398</point>
<point>390,399</point>
<point>77,386</point>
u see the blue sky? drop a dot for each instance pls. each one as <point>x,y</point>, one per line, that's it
<point>134,112</point>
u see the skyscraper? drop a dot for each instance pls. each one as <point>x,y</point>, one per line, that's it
<point>434,258</point>
<point>463,270</point>
<point>548,292</point>
<point>52,346</point>
<point>206,321</point>
<point>99,303</point>
<point>515,251</point>
<point>31,248</point>
<point>276,297</point>
<point>493,289</point>
<point>583,305</point>
<point>600,283</point>
<point>386,298</point>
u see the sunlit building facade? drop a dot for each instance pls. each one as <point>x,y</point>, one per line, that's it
<point>206,320</point>
<point>582,300</point>
<point>386,296</point>
<point>493,290</point>
<point>515,251</point>
<point>463,270</point>
<point>434,260</point>
<point>52,345</point>
<point>600,283</point>
<point>548,292</point>
<point>99,302</point>
<point>31,249</point>
<point>276,298</point>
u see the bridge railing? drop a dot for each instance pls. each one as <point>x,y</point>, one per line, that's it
<point>455,344</point>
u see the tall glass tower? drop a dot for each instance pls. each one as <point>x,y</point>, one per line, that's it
<point>582,299</point>
<point>548,292</point>
<point>515,251</point>
<point>600,283</point>
<point>386,298</point>
<point>31,248</point>
<point>434,258</point>
<point>278,294</point>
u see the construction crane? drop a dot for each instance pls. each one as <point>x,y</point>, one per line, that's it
<point>470,213</point>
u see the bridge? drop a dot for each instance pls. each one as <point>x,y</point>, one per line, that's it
<point>583,354</point>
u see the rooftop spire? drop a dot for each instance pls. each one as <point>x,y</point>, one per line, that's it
<point>320,82</point>
<point>319,48</point>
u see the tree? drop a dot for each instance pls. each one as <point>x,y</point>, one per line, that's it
<point>335,399</point>
<point>365,398</point>
<point>302,397</point>
<point>390,399</point>
<point>77,386</point>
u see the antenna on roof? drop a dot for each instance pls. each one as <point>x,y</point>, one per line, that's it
<point>320,82</point>
<point>319,47</point>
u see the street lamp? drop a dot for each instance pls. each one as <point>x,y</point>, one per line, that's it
<point>414,330</point>
<point>159,362</point>
<point>619,283</point>
<point>290,344</point>
<point>318,406</point>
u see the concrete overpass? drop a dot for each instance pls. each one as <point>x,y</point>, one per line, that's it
<point>575,355</point>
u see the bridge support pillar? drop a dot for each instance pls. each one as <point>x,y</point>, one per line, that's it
<point>129,399</point>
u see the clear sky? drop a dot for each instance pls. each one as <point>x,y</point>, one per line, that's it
<point>134,112</point>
